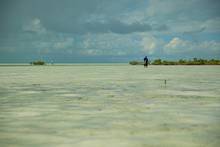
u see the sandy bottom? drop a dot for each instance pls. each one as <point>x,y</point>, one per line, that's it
<point>110,106</point>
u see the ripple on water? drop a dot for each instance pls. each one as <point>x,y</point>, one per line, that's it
<point>29,92</point>
<point>71,95</point>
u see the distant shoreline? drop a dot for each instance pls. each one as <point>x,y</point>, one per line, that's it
<point>194,61</point>
<point>92,64</point>
<point>65,64</point>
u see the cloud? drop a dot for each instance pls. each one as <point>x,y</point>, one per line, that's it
<point>192,27</point>
<point>184,16</point>
<point>178,46</point>
<point>63,44</point>
<point>118,16</point>
<point>213,24</point>
<point>192,32</point>
<point>92,52</point>
<point>151,44</point>
<point>184,10</point>
<point>116,26</point>
<point>110,44</point>
<point>81,16</point>
<point>34,26</point>
<point>110,28</point>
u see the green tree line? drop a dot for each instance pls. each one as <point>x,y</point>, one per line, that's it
<point>38,63</point>
<point>194,61</point>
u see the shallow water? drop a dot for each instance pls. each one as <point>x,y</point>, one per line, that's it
<point>109,105</point>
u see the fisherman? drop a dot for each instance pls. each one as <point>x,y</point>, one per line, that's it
<point>145,61</point>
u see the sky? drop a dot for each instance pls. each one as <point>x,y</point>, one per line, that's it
<point>70,31</point>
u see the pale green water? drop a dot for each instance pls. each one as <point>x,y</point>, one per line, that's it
<point>110,106</point>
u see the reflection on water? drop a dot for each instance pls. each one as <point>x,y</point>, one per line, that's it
<point>109,105</point>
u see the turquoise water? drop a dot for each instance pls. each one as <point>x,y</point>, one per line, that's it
<point>109,105</point>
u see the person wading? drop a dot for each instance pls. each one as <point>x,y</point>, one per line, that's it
<point>145,61</point>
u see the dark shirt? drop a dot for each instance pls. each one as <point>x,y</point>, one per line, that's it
<point>145,59</point>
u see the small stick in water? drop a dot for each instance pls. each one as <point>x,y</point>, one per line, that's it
<point>165,82</point>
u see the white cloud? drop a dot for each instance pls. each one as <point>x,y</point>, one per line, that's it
<point>91,52</point>
<point>179,16</point>
<point>211,46</point>
<point>34,25</point>
<point>151,44</point>
<point>177,45</point>
<point>109,44</point>
<point>185,47</point>
<point>62,44</point>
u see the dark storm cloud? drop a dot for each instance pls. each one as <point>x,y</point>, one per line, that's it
<point>113,26</point>
<point>59,13</point>
<point>162,27</point>
<point>119,27</point>
<point>70,16</point>
<point>194,31</point>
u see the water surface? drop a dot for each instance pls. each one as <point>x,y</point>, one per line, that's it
<point>109,105</point>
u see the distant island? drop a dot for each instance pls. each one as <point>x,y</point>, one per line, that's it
<point>38,63</point>
<point>194,61</point>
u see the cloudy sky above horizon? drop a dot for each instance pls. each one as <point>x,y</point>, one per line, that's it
<point>108,30</point>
